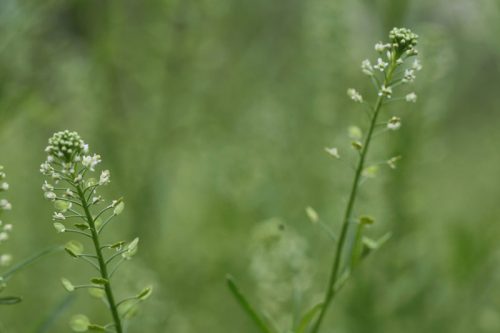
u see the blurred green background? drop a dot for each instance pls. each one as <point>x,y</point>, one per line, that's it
<point>212,117</point>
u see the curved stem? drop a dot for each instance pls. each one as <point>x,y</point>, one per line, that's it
<point>331,291</point>
<point>102,264</point>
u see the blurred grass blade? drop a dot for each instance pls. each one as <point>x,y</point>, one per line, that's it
<point>28,261</point>
<point>246,305</point>
<point>55,314</point>
<point>308,317</point>
<point>9,300</point>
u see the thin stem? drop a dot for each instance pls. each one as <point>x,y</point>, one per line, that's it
<point>331,291</point>
<point>102,265</point>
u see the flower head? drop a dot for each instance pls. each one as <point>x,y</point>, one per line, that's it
<point>403,40</point>
<point>394,123</point>
<point>411,97</point>
<point>65,145</point>
<point>354,95</point>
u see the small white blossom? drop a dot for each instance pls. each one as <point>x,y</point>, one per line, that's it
<point>385,91</point>
<point>46,187</point>
<point>333,152</point>
<point>5,205</point>
<point>394,123</point>
<point>50,195</point>
<point>354,95</point>
<point>411,97</point>
<point>69,193</point>
<point>5,259</point>
<point>409,76</point>
<point>91,161</point>
<point>58,216</point>
<point>96,199</point>
<point>46,168</point>
<point>4,186</point>
<point>380,47</point>
<point>3,236</point>
<point>7,227</point>
<point>366,67</point>
<point>417,65</point>
<point>105,178</point>
<point>380,65</point>
<point>78,179</point>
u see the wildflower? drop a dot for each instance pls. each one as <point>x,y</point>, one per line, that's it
<point>4,236</point>
<point>392,161</point>
<point>58,216</point>
<point>411,97</point>
<point>416,65</point>
<point>354,95</point>
<point>333,152</point>
<point>5,259</point>
<point>385,91</point>
<point>380,65</point>
<point>409,76</point>
<point>367,67</point>
<point>46,187</point>
<point>5,205</point>
<point>7,227</point>
<point>4,186</point>
<point>50,195</point>
<point>380,47</point>
<point>394,123</point>
<point>403,40</point>
<point>104,179</point>
<point>91,161</point>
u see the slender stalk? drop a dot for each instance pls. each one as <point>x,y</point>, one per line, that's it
<point>100,258</point>
<point>331,291</point>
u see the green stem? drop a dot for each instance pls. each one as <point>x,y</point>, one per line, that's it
<point>331,291</point>
<point>102,264</point>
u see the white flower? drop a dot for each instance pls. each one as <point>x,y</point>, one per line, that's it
<point>58,216</point>
<point>394,123</point>
<point>417,65</point>
<point>379,47</point>
<point>4,186</point>
<point>411,97</point>
<point>409,75</point>
<point>380,65</point>
<point>385,91</point>
<point>3,236</point>
<point>91,161</point>
<point>5,259</point>
<point>333,152</point>
<point>105,178</point>
<point>50,195</point>
<point>46,187</point>
<point>69,193</point>
<point>366,67</point>
<point>354,95</point>
<point>45,168</point>
<point>5,205</point>
<point>7,227</point>
<point>85,148</point>
<point>78,179</point>
<point>96,199</point>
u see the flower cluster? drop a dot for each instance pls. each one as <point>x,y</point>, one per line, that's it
<point>5,229</point>
<point>80,210</point>
<point>389,70</point>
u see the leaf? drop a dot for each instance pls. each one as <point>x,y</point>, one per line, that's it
<point>246,305</point>
<point>10,300</point>
<point>308,317</point>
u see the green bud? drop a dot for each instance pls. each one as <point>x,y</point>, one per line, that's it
<point>312,214</point>
<point>145,293</point>
<point>59,227</point>
<point>131,249</point>
<point>357,145</point>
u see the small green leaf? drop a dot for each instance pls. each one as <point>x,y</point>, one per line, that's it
<point>59,227</point>
<point>145,293</point>
<point>98,280</point>
<point>67,285</point>
<point>61,205</point>
<point>10,300</point>
<point>308,317</point>
<point>81,226</point>
<point>119,208</point>
<point>79,323</point>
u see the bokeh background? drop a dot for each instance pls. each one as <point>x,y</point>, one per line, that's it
<point>212,117</point>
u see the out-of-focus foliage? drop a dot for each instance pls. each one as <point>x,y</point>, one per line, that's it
<point>213,116</point>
